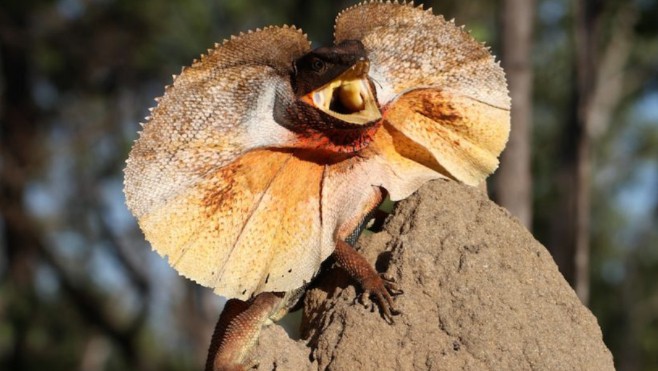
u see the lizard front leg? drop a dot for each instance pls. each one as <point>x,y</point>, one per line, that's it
<point>237,330</point>
<point>370,281</point>
<point>358,267</point>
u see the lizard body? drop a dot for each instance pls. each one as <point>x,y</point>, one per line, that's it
<point>264,156</point>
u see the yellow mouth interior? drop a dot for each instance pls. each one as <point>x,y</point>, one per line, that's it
<point>349,97</point>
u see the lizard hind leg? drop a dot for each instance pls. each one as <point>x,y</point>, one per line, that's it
<point>237,331</point>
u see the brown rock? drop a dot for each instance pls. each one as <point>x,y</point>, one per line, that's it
<point>480,293</point>
<point>276,351</point>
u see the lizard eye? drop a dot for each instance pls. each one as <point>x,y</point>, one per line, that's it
<point>317,65</point>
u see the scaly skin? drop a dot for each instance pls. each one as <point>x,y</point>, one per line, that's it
<point>240,323</point>
<point>237,331</point>
<point>247,175</point>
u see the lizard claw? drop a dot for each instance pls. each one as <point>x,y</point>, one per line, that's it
<point>364,300</point>
<point>390,284</point>
<point>382,290</point>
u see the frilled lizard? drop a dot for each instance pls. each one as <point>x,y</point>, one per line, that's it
<point>264,156</point>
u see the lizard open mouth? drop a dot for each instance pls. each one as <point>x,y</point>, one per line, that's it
<point>348,97</point>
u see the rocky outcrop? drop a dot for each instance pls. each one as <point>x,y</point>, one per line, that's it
<point>480,293</point>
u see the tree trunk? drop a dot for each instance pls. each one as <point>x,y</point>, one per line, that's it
<point>585,36</point>
<point>513,182</point>
<point>600,78</point>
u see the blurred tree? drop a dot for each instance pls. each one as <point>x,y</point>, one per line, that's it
<point>600,71</point>
<point>17,151</point>
<point>54,68</point>
<point>622,70</point>
<point>513,180</point>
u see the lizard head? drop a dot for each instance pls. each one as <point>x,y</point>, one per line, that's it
<point>335,81</point>
<point>335,105</point>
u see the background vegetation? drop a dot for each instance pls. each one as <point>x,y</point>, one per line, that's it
<point>79,287</point>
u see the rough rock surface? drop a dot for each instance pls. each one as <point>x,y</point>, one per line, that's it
<point>480,293</point>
